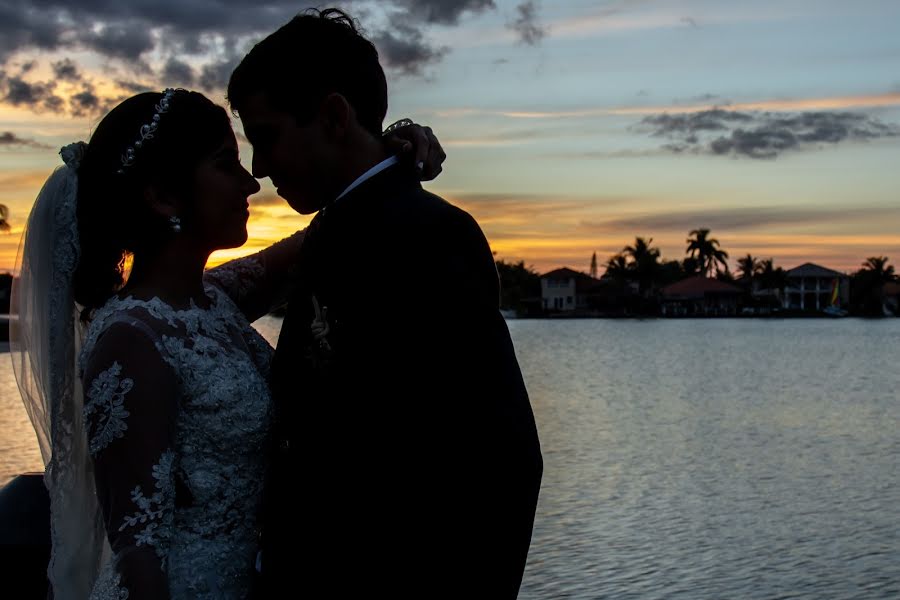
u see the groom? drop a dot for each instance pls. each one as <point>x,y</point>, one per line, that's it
<point>406,459</point>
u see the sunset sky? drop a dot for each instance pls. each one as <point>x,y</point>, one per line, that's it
<point>571,126</point>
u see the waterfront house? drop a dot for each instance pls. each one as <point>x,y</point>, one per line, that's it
<point>810,288</point>
<point>700,297</point>
<point>565,290</point>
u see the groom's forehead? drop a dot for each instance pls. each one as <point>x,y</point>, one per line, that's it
<point>258,107</point>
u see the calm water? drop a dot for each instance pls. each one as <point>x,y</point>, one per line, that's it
<point>695,459</point>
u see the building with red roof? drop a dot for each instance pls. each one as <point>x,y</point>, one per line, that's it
<point>700,296</point>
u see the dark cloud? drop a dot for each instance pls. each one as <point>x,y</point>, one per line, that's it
<point>445,12</point>
<point>10,139</point>
<point>136,87</point>
<point>216,32</point>
<point>761,135</point>
<point>26,27</point>
<point>216,75</point>
<point>85,102</point>
<point>526,24</point>
<point>178,74</point>
<point>128,31</point>
<point>688,124</point>
<point>128,41</point>
<point>42,96</point>
<point>38,96</point>
<point>689,21</point>
<point>404,49</point>
<point>66,70</point>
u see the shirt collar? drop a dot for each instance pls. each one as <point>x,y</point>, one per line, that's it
<point>388,162</point>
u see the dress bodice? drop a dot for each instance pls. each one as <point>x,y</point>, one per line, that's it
<point>177,412</point>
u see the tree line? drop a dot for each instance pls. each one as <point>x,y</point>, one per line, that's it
<point>640,267</point>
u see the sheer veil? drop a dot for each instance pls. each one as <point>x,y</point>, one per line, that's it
<point>45,339</point>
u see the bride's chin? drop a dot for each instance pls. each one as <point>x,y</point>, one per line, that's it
<point>235,242</point>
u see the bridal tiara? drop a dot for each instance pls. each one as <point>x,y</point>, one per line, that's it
<point>148,131</point>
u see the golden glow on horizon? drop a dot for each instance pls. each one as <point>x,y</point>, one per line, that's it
<point>546,232</point>
<point>546,250</point>
<point>22,182</point>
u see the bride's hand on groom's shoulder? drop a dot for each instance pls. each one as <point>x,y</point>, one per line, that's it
<point>418,143</point>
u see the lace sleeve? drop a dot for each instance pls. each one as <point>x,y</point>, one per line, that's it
<point>258,283</point>
<point>130,401</point>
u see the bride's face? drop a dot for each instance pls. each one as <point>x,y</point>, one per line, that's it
<point>221,191</point>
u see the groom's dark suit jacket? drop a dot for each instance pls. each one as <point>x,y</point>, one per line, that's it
<point>406,459</point>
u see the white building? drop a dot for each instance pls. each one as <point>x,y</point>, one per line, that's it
<point>810,287</point>
<point>564,290</point>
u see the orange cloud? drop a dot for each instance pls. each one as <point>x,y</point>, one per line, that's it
<point>29,181</point>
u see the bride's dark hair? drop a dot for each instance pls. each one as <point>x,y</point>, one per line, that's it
<point>114,219</point>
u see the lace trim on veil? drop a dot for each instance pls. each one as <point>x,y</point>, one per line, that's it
<point>45,337</point>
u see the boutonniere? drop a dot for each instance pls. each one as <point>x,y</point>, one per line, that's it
<point>321,329</point>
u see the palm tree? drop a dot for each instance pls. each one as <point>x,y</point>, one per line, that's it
<point>518,286</point>
<point>771,277</point>
<point>867,285</point>
<point>617,268</point>
<point>708,252</point>
<point>690,266</point>
<point>749,267</point>
<point>4,214</point>
<point>644,263</point>
<point>881,272</point>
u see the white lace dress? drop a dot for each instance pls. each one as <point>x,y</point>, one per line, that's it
<point>177,412</point>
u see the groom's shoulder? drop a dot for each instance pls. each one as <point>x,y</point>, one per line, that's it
<point>430,213</point>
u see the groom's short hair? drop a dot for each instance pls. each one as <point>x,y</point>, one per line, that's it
<point>315,54</point>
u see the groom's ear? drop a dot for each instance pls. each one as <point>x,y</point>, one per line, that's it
<point>336,115</point>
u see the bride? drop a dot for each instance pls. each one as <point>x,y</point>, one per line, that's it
<point>150,399</point>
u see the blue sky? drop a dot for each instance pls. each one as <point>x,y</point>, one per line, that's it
<point>571,126</point>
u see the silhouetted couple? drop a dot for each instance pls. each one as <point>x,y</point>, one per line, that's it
<point>388,448</point>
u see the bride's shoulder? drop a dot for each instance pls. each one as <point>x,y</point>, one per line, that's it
<point>122,322</point>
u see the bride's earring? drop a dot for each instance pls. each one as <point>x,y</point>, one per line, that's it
<point>175,224</point>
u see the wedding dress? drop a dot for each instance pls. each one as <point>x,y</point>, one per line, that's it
<point>153,423</point>
<point>177,414</point>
